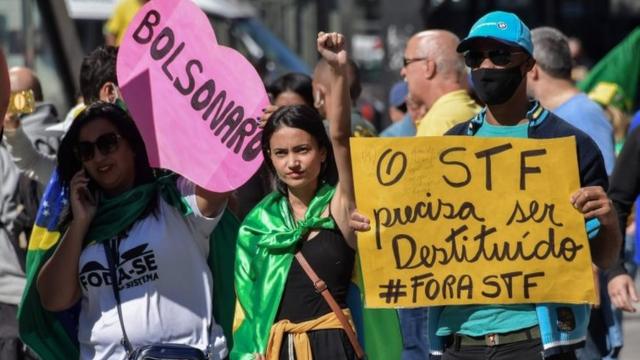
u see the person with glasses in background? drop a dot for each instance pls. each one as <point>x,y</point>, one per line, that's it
<point>436,77</point>
<point>499,52</point>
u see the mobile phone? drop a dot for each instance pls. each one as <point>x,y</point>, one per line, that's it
<point>92,188</point>
<point>22,102</point>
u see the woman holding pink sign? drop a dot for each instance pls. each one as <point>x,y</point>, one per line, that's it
<point>150,233</point>
<point>297,243</point>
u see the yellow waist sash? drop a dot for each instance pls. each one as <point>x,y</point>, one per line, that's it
<point>299,331</point>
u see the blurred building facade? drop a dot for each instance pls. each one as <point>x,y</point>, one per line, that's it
<point>378,29</point>
<point>43,35</point>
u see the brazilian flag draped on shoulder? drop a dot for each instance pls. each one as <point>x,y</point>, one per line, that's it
<point>53,336</point>
<point>378,329</point>
<point>615,79</point>
<point>267,242</point>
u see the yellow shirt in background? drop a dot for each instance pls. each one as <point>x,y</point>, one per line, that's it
<point>448,111</point>
<point>121,17</point>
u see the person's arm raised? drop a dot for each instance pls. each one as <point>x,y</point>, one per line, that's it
<point>332,47</point>
<point>210,203</point>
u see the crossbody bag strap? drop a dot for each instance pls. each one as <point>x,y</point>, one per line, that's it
<point>111,251</point>
<point>321,288</point>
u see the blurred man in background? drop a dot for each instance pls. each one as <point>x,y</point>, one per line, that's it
<point>36,120</point>
<point>18,205</point>
<point>403,124</point>
<point>321,77</point>
<point>436,77</point>
<point>116,27</point>
<point>550,83</point>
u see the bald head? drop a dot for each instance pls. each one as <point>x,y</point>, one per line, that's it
<point>439,46</point>
<point>22,78</point>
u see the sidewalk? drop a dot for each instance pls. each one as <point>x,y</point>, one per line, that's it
<point>631,328</point>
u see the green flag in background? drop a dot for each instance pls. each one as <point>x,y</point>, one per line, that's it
<point>618,74</point>
<point>378,329</point>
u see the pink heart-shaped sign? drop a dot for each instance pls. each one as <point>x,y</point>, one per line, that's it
<point>196,103</point>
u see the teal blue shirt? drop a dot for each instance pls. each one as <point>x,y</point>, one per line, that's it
<point>478,320</point>
<point>516,131</point>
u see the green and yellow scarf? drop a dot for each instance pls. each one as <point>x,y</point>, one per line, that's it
<point>267,242</point>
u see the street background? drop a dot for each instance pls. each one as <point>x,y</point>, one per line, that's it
<point>52,36</point>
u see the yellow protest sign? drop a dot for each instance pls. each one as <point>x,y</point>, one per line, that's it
<point>463,220</point>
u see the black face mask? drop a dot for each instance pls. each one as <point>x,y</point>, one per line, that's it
<point>496,86</point>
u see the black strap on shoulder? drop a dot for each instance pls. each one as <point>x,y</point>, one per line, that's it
<point>111,251</point>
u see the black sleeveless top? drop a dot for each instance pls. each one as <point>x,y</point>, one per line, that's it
<point>332,259</point>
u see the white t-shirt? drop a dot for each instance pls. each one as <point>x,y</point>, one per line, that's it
<point>165,284</point>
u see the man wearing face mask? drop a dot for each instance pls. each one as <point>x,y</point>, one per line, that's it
<point>499,52</point>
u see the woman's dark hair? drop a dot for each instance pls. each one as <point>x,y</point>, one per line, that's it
<point>295,82</point>
<point>305,118</point>
<point>69,163</point>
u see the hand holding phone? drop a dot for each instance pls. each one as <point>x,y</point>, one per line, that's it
<point>84,202</point>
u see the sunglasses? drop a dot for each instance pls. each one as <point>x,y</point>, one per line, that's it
<point>106,144</point>
<point>499,57</point>
<point>407,61</point>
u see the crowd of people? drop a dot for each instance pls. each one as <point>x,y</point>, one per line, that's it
<point>134,256</point>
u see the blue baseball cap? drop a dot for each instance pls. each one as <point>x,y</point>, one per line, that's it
<point>501,26</point>
<point>398,94</point>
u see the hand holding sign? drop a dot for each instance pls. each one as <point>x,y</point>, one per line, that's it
<point>593,202</point>
<point>196,103</point>
<point>359,222</point>
<point>466,220</point>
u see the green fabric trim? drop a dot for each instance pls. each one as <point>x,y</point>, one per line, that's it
<point>267,241</point>
<point>41,329</point>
